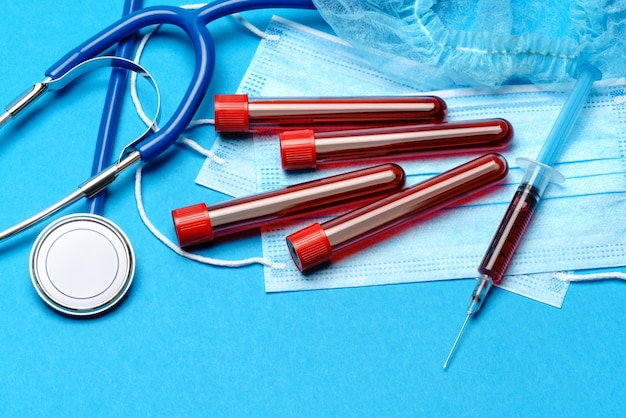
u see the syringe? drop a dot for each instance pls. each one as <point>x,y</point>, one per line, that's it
<point>538,174</point>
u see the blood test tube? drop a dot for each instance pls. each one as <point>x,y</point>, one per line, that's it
<point>317,244</point>
<point>197,224</point>
<point>305,148</point>
<point>240,113</point>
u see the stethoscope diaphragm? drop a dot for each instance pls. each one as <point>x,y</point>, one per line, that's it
<point>82,265</point>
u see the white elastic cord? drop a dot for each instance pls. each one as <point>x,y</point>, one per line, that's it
<point>168,243</point>
<point>201,150</point>
<point>569,277</point>
<point>142,114</point>
<point>194,146</point>
<point>258,32</point>
<point>201,122</point>
<point>133,81</point>
<point>197,147</point>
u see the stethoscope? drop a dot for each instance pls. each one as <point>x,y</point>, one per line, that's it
<point>62,285</point>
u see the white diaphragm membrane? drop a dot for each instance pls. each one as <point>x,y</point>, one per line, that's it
<point>82,265</point>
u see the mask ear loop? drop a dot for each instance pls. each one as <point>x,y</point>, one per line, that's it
<point>196,147</point>
<point>571,277</point>
<point>194,257</point>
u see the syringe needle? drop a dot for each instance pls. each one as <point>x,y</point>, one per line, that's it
<point>458,337</point>
<point>538,174</point>
<point>475,302</point>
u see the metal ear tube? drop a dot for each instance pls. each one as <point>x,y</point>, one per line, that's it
<point>23,101</point>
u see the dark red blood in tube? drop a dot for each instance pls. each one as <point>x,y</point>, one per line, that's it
<point>200,223</point>
<point>510,232</point>
<point>317,244</point>
<point>240,113</point>
<point>305,148</point>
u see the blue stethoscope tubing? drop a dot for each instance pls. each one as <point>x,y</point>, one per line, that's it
<point>83,236</point>
<point>111,112</point>
<point>193,23</point>
<point>153,142</point>
<point>54,277</point>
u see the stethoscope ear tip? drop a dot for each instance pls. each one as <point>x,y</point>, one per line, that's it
<point>82,265</point>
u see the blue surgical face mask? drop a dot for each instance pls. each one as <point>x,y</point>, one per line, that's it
<point>579,225</point>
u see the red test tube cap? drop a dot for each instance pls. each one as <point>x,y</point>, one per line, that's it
<point>309,247</point>
<point>231,113</point>
<point>297,149</point>
<point>193,225</point>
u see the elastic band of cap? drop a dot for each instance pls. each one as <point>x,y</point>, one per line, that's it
<point>309,247</point>
<point>297,149</point>
<point>231,113</point>
<point>193,225</point>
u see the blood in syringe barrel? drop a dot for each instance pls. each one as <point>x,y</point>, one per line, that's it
<point>509,233</point>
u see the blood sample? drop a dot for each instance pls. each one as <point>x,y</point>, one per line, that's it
<point>200,223</point>
<point>305,148</point>
<point>317,244</point>
<point>240,113</point>
<point>537,175</point>
<point>510,232</point>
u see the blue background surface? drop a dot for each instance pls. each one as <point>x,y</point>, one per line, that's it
<point>197,340</point>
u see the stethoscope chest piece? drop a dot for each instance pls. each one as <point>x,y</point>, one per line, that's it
<point>82,265</point>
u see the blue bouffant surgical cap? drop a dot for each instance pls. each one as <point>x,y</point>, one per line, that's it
<point>488,42</point>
